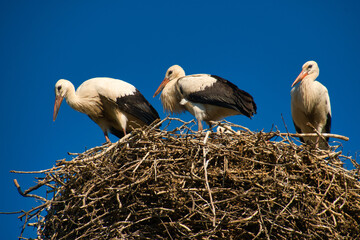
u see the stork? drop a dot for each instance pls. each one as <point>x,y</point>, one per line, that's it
<point>113,104</point>
<point>207,97</point>
<point>310,103</point>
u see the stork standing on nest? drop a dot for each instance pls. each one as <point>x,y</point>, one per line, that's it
<point>207,97</point>
<point>114,105</point>
<point>310,103</point>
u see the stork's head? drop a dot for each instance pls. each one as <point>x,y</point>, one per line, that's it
<point>61,88</point>
<point>310,68</point>
<point>173,73</point>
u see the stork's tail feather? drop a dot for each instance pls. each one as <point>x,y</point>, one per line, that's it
<point>116,132</point>
<point>246,103</point>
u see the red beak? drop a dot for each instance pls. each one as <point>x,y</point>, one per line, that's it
<point>300,77</point>
<point>58,101</point>
<point>161,87</point>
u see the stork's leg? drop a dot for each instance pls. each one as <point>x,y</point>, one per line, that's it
<point>107,138</point>
<point>317,142</point>
<point>322,144</point>
<point>200,125</point>
<point>122,121</point>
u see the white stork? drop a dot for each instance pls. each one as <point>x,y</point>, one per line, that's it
<point>310,103</point>
<point>114,105</point>
<point>207,97</point>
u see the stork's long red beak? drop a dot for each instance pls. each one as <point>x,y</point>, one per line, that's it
<point>58,101</point>
<point>161,87</point>
<point>300,77</point>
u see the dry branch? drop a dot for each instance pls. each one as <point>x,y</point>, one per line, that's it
<point>182,184</point>
<point>331,135</point>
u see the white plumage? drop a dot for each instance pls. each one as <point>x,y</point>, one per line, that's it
<point>207,97</point>
<point>113,104</point>
<point>310,103</point>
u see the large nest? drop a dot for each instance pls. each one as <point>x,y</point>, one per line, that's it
<point>181,184</point>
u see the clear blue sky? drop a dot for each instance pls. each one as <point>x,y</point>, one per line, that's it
<point>258,45</point>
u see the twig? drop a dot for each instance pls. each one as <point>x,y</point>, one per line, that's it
<point>243,220</point>
<point>286,128</point>
<point>315,135</point>
<point>206,162</point>
<point>26,194</point>
<point>322,198</point>
<point>37,172</point>
<point>262,221</point>
<point>17,212</point>
<point>282,211</point>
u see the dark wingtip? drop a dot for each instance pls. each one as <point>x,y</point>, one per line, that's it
<point>249,107</point>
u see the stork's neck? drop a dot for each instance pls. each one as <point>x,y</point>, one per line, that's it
<point>72,99</point>
<point>307,82</point>
<point>308,92</point>
<point>170,98</point>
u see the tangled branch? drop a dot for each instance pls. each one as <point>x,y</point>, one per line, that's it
<point>184,184</point>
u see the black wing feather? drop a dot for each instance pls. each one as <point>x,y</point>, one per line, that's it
<point>225,94</point>
<point>328,125</point>
<point>116,132</point>
<point>298,130</point>
<point>137,105</point>
<point>134,104</point>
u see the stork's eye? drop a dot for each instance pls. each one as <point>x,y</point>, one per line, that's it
<point>170,72</point>
<point>310,66</point>
<point>59,88</point>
